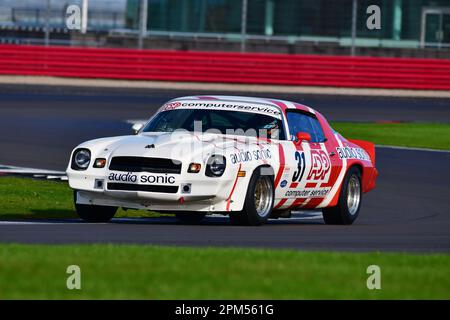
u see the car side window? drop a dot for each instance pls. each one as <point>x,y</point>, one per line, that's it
<point>320,136</point>
<point>302,122</point>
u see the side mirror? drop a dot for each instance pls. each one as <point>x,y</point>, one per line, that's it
<point>302,136</point>
<point>137,127</point>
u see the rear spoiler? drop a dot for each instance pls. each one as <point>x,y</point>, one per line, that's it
<point>369,147</point>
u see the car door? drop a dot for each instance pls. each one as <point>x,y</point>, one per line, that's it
<point>308,163</point>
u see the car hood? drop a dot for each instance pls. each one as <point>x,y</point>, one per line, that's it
<point>178,146</point>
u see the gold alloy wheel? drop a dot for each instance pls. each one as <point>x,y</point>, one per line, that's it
<point>353,194</point>
<point>263,196</point>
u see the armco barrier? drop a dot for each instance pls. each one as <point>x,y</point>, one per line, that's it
<point>248,68</point>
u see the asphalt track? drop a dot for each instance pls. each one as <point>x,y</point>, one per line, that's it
<point>409,210</point>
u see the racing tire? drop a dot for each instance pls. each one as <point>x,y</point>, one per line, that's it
<point>349,203</point>
<point>258,203</point>
<point>190,217</point>
<point>93,213</point>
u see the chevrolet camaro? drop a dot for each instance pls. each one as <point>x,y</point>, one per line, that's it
<point>249,158</point>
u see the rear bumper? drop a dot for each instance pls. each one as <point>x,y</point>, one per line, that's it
<point>370,179</point>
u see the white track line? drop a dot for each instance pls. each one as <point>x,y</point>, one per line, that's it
<point>411,148</point>
<point>136,121</point>
<point>22,170</point>
<point>167,85</point>
<point>36,222</point>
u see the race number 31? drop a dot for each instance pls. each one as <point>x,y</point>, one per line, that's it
<point>298,174</point>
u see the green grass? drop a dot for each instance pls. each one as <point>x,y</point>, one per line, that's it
<point>25,198</point>
<point>151,272</point>
<point>421,135</point>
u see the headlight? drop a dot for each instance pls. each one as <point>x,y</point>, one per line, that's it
<point>81,159</point>
<point>215,166</point>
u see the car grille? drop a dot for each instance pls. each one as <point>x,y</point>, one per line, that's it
<point>139,187</point>
<point>141,164</point>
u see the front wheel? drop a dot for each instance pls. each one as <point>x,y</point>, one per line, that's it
<point>93,213</point>
<point>258,201</point>
<point>349,203</point>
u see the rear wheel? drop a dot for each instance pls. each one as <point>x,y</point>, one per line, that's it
<point>349,203</point>
<point>190,217</point>
<point>93,213</point>
<point>258,201</point>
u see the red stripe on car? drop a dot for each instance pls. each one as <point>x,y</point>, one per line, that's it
<point>314,202</point>
<point>297,202</point>
<point>206,98</point>
<point>282,164</point>
<point>232,190</point>
<point>280,104</point>
<point>282,201</point>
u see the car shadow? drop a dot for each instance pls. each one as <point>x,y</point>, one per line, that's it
<point>306,218</point>
<point>40,214</point>
<point>69,216</point>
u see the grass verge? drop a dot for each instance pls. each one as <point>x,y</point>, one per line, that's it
<point>25,198</point>
<point>152,272</point>
<point>419,135</point>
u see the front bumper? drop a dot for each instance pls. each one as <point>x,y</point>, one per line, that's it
<point>193,191</point>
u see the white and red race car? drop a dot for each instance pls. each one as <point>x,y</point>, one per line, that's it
<point>250,158</point>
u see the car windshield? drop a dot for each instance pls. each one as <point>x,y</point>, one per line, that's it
<point>223,121</point>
